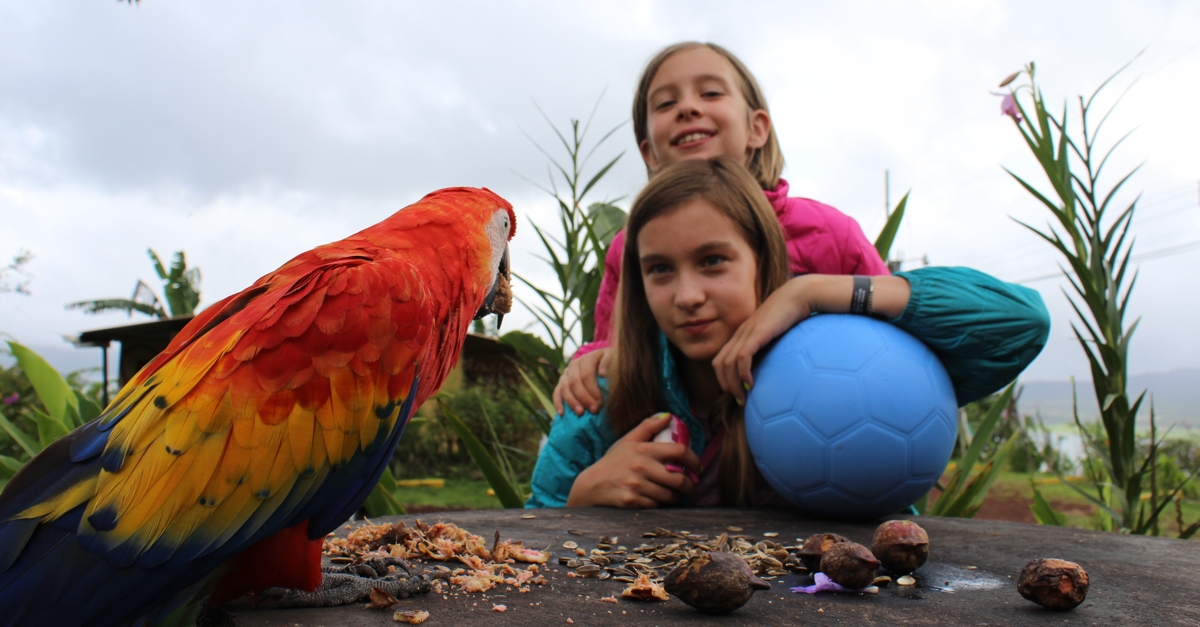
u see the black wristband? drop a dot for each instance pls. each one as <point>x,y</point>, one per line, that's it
<point>860,298</point>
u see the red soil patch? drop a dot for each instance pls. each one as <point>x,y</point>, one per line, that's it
<point>1012,506</point>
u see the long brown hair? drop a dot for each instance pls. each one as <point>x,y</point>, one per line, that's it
<point>635,391</point>
<point>766,163</point>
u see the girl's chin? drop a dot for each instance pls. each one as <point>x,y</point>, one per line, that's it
<point>704,353</point>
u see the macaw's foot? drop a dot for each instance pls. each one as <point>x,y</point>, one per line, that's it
<point>353,583</point>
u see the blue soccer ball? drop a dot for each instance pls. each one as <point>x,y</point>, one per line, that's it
<point>850,417</point>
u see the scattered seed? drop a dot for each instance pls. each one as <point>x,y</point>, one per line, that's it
<point>771,534</point>
<point>574,532</point>
<point>906,581</point>
<point>528,517</point>
<point>570,545</point>
<point>733,529</point>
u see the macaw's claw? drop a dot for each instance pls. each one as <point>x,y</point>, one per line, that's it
<point>353,583</point>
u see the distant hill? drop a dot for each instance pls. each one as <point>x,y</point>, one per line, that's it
<point>1176,398</point>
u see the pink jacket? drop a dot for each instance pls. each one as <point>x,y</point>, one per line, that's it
<point>820,240</point>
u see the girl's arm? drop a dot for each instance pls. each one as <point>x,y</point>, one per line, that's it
<point>575,443</point>
<point>985,331</point>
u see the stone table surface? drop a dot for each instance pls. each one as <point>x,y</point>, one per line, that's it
<point>969,579</point>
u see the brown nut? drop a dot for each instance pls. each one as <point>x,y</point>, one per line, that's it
<point>850,564</point>
<point>714,583</point>
<point>1053,584</point>
<point>814,548</point>
<point>902,546</point>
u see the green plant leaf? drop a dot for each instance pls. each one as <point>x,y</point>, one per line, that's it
<point>483,459</point>
<point>54,392</point>
<point>31,447</point>
<point>9,467</point>
<point>48,428</point>
<point>529,345</point>
<point>883,243</point>
<point>88,409</point>
<point>1042,510</point>
<point>605,220</point>
<point>543,398</point>
<point>382,500</point>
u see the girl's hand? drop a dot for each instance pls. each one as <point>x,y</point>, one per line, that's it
<point>633,473</point>
<point>578,386</point>
<point>781,311</point>
<point>791,304</point>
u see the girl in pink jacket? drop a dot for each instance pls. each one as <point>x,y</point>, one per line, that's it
<point>698,101</point>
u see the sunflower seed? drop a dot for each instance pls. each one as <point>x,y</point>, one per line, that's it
<point>570,545</point>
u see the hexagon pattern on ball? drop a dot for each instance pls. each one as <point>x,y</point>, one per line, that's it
<point>850,417</point>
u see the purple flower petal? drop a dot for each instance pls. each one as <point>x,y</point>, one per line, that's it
<point>1008,107</point>
<point>13,399</point>
<point>825,584</point>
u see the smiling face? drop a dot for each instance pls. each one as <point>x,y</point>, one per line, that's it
<point>696,110</point>
<point>700,277</point>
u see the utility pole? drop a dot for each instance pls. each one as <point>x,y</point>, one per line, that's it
<point>887,195</point>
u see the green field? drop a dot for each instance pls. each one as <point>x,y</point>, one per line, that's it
<point>458,494</point>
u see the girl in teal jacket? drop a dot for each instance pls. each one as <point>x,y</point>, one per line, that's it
<point>705,284</point>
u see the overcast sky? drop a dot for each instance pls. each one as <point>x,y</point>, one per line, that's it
<point>247,132</point>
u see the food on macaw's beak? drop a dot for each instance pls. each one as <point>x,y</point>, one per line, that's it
<point>902,546</point>
<point>718,582</point>
<point>850,564</point>
<point>1053,584</point>
<point>504,296</point>
<point>814,548</point>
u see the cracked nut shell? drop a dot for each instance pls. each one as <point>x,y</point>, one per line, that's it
<point>1053,583</point>
<point>902,546</point>
<point>714,583</point>
<point>850,564</point>
<point>814,548</point>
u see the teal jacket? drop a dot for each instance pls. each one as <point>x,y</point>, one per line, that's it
<point>985,332</point>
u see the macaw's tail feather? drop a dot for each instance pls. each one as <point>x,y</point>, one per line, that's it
<point>55,582</point>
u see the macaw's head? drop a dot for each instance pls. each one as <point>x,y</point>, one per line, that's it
<point>501,227</point>
<point>485,223</point>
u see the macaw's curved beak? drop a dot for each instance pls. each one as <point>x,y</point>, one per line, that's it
<point>499,299</point>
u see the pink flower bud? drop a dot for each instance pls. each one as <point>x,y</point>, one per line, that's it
<point>1008,107</point>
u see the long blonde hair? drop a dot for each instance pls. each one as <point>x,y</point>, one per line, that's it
<point>635,394</point>
<point>766,163</point>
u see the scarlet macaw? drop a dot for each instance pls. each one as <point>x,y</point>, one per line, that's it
<point>263,426</point>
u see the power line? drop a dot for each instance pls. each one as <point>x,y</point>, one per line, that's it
<point>1028,244</point>
<point>1169,251</point>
